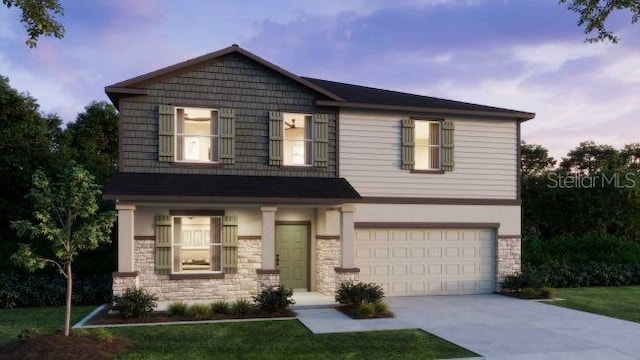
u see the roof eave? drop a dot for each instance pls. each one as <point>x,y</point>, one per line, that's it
<point>116,93</point>
<point>507,115</point>
<point>229,199</point>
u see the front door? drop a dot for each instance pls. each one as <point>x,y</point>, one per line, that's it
<point>291,255</point>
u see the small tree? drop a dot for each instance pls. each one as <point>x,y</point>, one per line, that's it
<point>66,215</point>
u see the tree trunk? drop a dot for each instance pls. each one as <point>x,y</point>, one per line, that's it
<point>67,314</point>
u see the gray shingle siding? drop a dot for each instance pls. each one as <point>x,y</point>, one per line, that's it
<point>232,82</point>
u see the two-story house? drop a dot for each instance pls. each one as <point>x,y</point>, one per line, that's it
<point>235,174</point>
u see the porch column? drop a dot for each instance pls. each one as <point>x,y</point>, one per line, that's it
<point>268,237</point>
<point>125,238</point>
<point>347,272</point>
<point>347,234</point>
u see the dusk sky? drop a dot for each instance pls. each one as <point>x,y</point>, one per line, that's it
<point>520,54</point>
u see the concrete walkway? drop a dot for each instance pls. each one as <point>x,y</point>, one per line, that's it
<point>330,320</point>
<point>498,327</point>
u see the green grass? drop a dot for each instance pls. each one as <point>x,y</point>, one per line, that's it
<point>619,302</point>
<point>47,319</point>
<point>282,339</point>
<point>245,340</point>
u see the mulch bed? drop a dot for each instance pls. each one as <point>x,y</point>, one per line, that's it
<point>106,318</point>
<point>58,346</point>
<point>350,311</point>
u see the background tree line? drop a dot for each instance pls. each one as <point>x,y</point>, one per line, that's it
<point>595,189</point>
<point>30,140</point>
<point>580,217</point>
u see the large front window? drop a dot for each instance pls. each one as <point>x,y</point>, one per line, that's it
<point>196,135</point>
<point>427,145</point>
<point>298,139</point>
<point>197,244</point>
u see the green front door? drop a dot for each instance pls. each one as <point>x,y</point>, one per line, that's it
<point>291,255</point>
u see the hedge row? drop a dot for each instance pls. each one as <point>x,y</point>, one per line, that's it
<point>580,249</point>
<point>33,290</point>
<point>562,274</point>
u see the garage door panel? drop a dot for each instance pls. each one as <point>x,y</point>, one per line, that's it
<point>427,261</point>
<point>416,235</point>
<point>400,253</point>
<point>452,252</point>
<point>416,253</point>
<point>399,236</point>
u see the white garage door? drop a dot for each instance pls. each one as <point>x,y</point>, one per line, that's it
<point>427,261</point>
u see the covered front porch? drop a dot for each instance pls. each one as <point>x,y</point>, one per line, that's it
<point>210,237</point>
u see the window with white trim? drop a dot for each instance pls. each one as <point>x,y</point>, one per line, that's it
<point>196,244</point>
<point>197,131</point>
<point>297,139</point>
<point>428,143</point>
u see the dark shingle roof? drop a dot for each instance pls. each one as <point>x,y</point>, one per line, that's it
<point>368,95</point>
<point>340,94</point>
<point>231,187</point>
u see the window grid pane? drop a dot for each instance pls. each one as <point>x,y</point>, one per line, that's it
<point>197,244</point>
<point>197,135</point>
<point>427,151</point>
<point>298,139</point>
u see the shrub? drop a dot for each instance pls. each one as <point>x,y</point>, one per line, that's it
<point>200,311</point>
<point>381,308</point>
<point>529,293</point>
<point>9,295</point>
<point>178,308</point>
<point>274,299</point>
<point>134,303</point>
<point>241,307</point>
<point>547,292</point>
<point>354,294</point>
<point>220,307</point>
<point>28,334</point>
<point>47,289</point>
<point>365,310</point>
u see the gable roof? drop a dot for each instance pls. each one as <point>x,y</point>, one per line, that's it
<point>228,188</point>
<point>340,94</point>
<point>136,85</point>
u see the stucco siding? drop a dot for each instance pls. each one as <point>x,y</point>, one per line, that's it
<point>484,155</point>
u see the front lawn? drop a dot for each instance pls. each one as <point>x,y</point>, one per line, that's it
<point>246,340</point>
<point>282,339</point>
<point>619,302</point>
<point>45,319</point>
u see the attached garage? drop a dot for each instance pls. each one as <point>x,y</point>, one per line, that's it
<point>411,260</point>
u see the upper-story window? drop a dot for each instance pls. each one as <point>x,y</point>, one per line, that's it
<point>428,143</point>
<point>298,139</point>
<point>197,134</point>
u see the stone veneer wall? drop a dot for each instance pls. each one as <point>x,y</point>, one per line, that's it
<point>121,283</point>
<point>244,284</point>
<point>327,259</point>
<point>508,257</point>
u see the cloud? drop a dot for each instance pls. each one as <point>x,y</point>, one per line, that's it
<point>527,55</point>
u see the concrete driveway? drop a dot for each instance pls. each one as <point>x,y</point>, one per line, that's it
<point>498,327</point>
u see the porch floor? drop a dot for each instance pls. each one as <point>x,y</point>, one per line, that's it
<point>312,299</point>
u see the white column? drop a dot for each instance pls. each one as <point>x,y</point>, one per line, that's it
<point>268,237</point>
<point>125,237</point>
<point>347,234</point>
